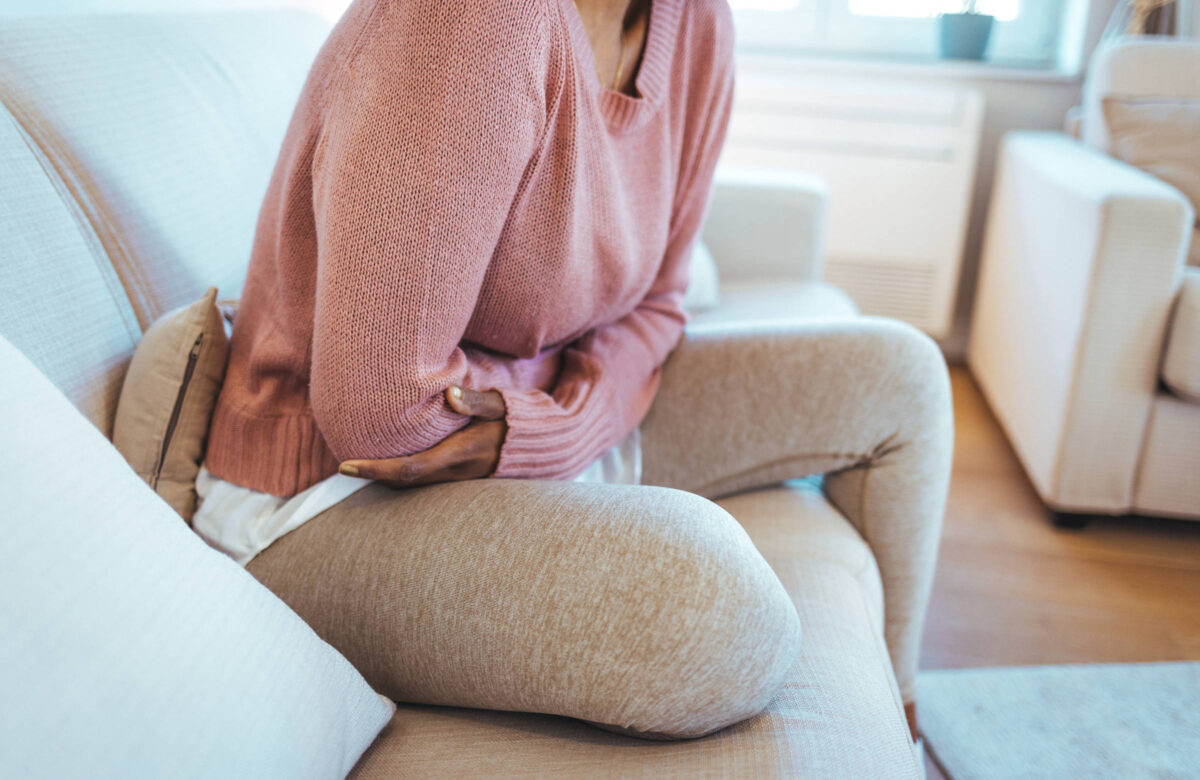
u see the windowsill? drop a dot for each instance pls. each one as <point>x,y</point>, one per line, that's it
<point>904,67</point>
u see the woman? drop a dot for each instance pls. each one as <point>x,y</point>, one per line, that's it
<point>470,263</point>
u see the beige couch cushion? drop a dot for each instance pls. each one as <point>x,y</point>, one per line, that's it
<point>60,302</point>
<point>1181,364</point>
<point>165,130</point>
<point>168,398</point>
<point>1159,135</point>
<point>838,715</point>
<point>1133,66</point>
<point>1162,137</point>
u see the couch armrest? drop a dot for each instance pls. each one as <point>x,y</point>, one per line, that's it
<point>1081,261</point>
<point>767,224</point>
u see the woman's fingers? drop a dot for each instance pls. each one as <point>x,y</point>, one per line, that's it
<point>486,405</point>
<point>469,453</point>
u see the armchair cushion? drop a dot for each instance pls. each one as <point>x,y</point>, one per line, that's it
<point>1162,137</point>
<point>1181,364</point>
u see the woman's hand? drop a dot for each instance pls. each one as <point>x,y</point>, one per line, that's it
<point>468,453</point>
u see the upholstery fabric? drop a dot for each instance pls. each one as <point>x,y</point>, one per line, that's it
<point>766,224</point>
<point>865,401</point>
<point>60,301</point>
<point>167,400</point>
<point>1166,481</point>
<point>639,608</point>
<point>1162,137</point>
<point>130,649</point>
<point>1081,264</point>
<point>771,300</point>
<point>164,129</point>
<point>1136,67</point>
<point>1181,363</point>
<point>836,717</point>
<point>703,280</point>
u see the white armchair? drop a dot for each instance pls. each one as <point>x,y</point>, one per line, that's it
<point>1081,285</point>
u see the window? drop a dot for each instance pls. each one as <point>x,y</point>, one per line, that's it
<point>1026,32</point>
<point>1005,10</point>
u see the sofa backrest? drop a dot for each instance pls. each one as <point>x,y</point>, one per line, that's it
<point>134,153</point>
<point>60,300</point>
<point>1137,66</point>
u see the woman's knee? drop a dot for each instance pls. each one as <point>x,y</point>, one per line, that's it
<point>906,363</point>
<point>716,634</point>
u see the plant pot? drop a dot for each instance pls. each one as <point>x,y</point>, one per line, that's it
<point>965,36</point>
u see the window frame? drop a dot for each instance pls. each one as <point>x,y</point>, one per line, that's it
<point>829,27</point>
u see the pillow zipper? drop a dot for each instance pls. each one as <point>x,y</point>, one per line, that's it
<point>188,370</point>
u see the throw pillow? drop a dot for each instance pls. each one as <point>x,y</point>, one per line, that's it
<point>167,400</point>
<point>131,649</point>
<point>702,289</point>
<point>1162,137</point>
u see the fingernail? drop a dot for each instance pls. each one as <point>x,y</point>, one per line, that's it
<point>456,392</point>
<point>348,470</point>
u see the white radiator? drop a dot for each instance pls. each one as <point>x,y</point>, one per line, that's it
<point>899,159</point>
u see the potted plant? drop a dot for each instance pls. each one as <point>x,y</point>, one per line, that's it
<point>965,35</point>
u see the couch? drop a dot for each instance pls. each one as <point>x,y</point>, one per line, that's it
<point>1086,339</point>
<point>134,150</point>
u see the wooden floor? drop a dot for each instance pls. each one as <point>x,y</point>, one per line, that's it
<point>1012,590</point>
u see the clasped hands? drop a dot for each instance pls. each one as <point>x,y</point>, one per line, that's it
<point>471,452</point>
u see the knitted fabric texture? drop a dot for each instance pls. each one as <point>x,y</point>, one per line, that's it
<point>458,200</point>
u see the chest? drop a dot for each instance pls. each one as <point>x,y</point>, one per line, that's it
<point>586,235</point>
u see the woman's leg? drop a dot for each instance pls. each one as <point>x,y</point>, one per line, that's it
<point>865,402</point>
<point>638,608</point>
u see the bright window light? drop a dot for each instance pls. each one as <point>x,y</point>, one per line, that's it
<point>1029,33</point>
<point>764,5</point>
<point>1005,10</point>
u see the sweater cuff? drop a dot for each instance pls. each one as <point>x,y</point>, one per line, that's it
<point>542,441</point>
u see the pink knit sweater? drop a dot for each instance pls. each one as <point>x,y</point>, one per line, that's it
<point>458,200</point>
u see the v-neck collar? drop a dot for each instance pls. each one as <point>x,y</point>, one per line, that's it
<point>625,112</point>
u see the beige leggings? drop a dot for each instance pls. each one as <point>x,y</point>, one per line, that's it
<point>643,608</point>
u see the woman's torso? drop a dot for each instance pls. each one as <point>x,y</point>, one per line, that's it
<point>594,208</point>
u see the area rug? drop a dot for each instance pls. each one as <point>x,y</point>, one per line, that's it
<point>1094,721</point>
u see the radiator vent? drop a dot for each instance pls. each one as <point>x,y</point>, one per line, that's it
<point>905,291</point>
<point>898,158</point>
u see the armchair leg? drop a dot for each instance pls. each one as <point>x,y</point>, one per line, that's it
<point>1071,521</point>
<point>910,714</point>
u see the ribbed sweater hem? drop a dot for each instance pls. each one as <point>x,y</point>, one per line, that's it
<point>276,455</point>
<point>544,443</point>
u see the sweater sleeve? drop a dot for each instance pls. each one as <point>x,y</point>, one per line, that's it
<point>427,131</point>
<point>609,376</point>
